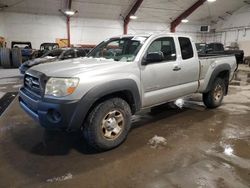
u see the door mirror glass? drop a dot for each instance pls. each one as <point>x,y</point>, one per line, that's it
<point>154,57</point>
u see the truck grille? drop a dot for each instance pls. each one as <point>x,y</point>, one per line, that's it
<point>32,84</point>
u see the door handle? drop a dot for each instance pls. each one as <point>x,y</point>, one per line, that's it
<point>176,68</point>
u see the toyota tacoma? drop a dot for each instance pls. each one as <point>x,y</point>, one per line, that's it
<point>99,93</point>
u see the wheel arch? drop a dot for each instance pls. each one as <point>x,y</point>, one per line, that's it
<point>221,71</point>
<point>125,89</point>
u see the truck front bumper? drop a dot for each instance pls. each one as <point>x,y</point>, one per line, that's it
<point>51,114</point>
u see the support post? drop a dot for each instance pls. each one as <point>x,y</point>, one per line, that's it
<point>68,22</point>
<point>131,12</point>
<point>68,30</point>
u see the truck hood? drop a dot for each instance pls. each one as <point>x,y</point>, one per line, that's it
<point>74,67</point>
<point>37,61</point>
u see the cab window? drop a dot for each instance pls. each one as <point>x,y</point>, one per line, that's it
<point>166,46</point>
<point>186,48</point>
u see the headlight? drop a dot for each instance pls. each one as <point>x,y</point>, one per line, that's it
<point>61,87</point>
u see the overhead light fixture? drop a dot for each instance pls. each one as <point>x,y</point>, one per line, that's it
<point>69,12</point>
<point>133,17</point>
<point>184,21</point>
<point>211,1</point>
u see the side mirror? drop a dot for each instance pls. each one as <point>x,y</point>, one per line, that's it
<point>153,57</point>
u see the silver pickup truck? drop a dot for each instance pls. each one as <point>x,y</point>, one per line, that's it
<point>99,93</point>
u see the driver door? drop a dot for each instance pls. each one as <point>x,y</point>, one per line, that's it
<point>160,79</point>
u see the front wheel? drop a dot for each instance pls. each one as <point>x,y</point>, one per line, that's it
<point>108,124</point>
<point>214,97</point>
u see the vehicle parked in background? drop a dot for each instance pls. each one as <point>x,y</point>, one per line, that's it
<point>99,93</point>
<point>45,47</point>
<point>247,60</point>
<point>218,48</point>
<point>58,54</point>
<point>26,50</point>
<point>201,47</point>
<point>87,50</point>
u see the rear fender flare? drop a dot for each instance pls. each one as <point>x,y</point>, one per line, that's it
<point>215,73</point>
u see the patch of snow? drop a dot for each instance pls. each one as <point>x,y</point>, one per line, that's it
<point>61,178</point>
<point>157,141</point>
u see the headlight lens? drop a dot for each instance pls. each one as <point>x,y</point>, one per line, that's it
<point>61,87</point>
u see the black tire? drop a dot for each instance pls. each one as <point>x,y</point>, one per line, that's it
<point>214,97</point>
<point>16,55</point>
<point>5,58</point>
<point>94,131</point>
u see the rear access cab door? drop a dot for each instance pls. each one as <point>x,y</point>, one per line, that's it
<point>175,76</point>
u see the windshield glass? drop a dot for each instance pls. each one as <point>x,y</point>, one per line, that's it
<point>119,49</point>
<point>53,53</point>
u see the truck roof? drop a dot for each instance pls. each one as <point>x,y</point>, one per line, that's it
<point>151,35</point>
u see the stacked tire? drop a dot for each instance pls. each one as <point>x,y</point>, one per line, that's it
<point>16,56</point>
<point>5,57</point>
<point>10,58</point>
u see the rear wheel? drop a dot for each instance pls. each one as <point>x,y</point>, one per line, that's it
<point>108,124</point>
<point>214,97</point>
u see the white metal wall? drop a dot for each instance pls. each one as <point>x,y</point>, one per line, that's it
<point>1,26</point>
<point>235,28</point>
<point>93,31</point>
<point>34,28</point>
<point>44,28</point>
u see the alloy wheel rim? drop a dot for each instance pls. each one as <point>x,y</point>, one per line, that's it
<point>112,124</point>
<point>218,92</point>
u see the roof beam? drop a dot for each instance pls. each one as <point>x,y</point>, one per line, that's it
<point>131,12</point>
<point>185,14</point>
<point>69,5</point>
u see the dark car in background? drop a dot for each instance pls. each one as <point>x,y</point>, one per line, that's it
<point>218,49</point>
<point>45,47</point>
<point>58,54</point>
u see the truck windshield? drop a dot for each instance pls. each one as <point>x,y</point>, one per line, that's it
<point>119,49</point>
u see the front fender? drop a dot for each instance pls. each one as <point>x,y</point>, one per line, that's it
<point>100,91</point>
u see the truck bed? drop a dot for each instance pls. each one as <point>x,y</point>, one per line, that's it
<point>207,64</point>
